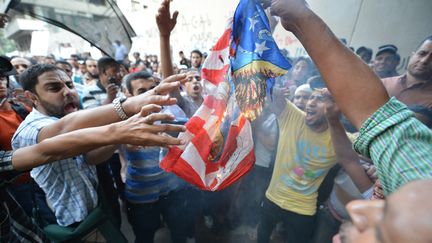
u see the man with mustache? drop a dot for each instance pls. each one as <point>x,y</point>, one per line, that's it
<point>415,86</point>
<point>398,144</point>
<point>69,184</point>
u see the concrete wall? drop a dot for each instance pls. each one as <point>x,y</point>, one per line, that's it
<point>404,23</point>
<point>362,22</point>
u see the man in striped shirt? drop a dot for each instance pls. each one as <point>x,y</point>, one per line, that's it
<point>150,191</point>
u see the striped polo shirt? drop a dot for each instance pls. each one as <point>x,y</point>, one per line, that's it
<point>145,180</point>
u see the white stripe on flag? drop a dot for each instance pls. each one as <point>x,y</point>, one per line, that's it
<point>193,158</point>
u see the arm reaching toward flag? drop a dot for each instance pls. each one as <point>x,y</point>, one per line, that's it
<point>334,61</point>
<point>137,130</point>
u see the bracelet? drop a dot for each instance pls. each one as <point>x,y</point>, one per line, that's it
<point>117,102</point>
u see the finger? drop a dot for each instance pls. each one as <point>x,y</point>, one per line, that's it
<point>161,140</point>
<point>148,109</point>
<point>174,18</point>
<point>163,100</point>
<point>166,88</point>
<point>167,5</point>
<point>159,117</point>
<point>174,78</point>
<point>175,128</point>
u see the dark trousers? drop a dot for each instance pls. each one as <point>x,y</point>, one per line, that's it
<point>326,227</point>
<point>251,193</point>
<point>298,228</point>
<point>111,185</point>
<point>145,218</point>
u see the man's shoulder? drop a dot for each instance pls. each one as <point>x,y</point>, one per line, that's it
<point>392,80</point>
<point>30,127</point>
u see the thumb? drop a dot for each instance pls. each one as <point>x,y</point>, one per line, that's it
<point>174,18</point>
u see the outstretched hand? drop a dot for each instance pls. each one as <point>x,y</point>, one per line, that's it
<point>141,129</point>
<point>164,21</point>
<point>158,95</point>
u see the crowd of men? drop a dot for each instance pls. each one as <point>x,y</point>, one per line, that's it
<point>346,150</point>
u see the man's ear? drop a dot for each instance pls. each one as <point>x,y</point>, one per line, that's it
<point>31,96</point>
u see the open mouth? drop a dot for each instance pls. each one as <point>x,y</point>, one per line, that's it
<point>196,88</point>
<point>310,112</point>
<point>70,107</point>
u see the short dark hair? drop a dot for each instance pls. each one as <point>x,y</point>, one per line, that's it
<point>364,49</point>
<point>106,62</point>
<point>134,76</point>
<point>29,78</point>
<point>64,63</point>
<point>429,38</point>
<point>197,52</point>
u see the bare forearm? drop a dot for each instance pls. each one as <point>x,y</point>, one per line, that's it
<point>166,63</point>
<point>62,146</point>
<point>347,157</point>
<point>100,155</point>
<point>82,119</point>
<point>357,90</point>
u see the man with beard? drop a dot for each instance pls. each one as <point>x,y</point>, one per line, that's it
<point>92,72</point>
<point>398,144</point>
<point>405,216</point>
<point>70,184</point>
<point>304,155</point>
<point>196,59</point>
<point>415,86</point>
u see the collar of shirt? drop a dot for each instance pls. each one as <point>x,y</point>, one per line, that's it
<point>403,81</point>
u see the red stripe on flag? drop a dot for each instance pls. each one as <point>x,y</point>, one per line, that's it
<point>223,41</point>
<point>194,125</point>
<point>170,159</point>
<point>215,76</point>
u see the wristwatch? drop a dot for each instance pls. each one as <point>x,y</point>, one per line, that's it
<point>117,102</point>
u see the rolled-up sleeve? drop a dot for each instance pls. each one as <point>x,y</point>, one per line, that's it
<point>399,145</point>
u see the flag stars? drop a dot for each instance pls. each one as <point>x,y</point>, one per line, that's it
<point>253,22</point>
<point>260,48</point>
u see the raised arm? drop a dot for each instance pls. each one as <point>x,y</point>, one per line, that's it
<point>345,155</point>
<point>137,130</point>
<point>166,24</point>
<point>347,77</point>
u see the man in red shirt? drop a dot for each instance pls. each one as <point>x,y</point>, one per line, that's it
<point>11,116</point>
